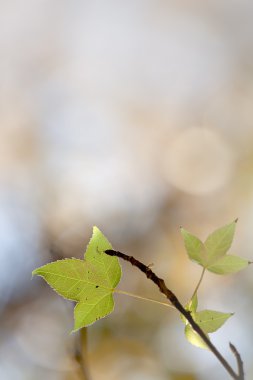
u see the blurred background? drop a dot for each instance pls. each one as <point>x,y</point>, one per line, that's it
<point>135,116</point>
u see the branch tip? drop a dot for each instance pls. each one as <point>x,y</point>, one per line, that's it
<point>238,360</point>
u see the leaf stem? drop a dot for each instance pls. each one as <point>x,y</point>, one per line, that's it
<point>198,284</point>
<point>81,354</point>
<point>143,298</point>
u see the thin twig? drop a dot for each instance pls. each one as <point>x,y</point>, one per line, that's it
<point>239,361</point>
<point>173,299</point>
<point>81,354</point>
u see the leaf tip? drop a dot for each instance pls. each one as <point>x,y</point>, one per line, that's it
<point>34,273</point>
<point>95,229</point>
<point>236,220</point>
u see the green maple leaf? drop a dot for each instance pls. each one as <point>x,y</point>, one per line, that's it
<point>208,320</point>
<point>212,254</point>
<point>89,282</point>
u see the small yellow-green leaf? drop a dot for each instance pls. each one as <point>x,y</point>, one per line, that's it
<point>193,303</point>
<point>194,247</point>
<point>218,243</point>
<point>228,264</point>
<point>194,338</point>
<point>190,306</point>
<point>210,321</point>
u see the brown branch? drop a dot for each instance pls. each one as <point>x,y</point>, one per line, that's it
<point>173,299</point>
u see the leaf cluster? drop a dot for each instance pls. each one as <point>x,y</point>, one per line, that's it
<point>213,256</point>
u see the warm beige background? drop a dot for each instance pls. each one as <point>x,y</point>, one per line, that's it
<point>136,116</point>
